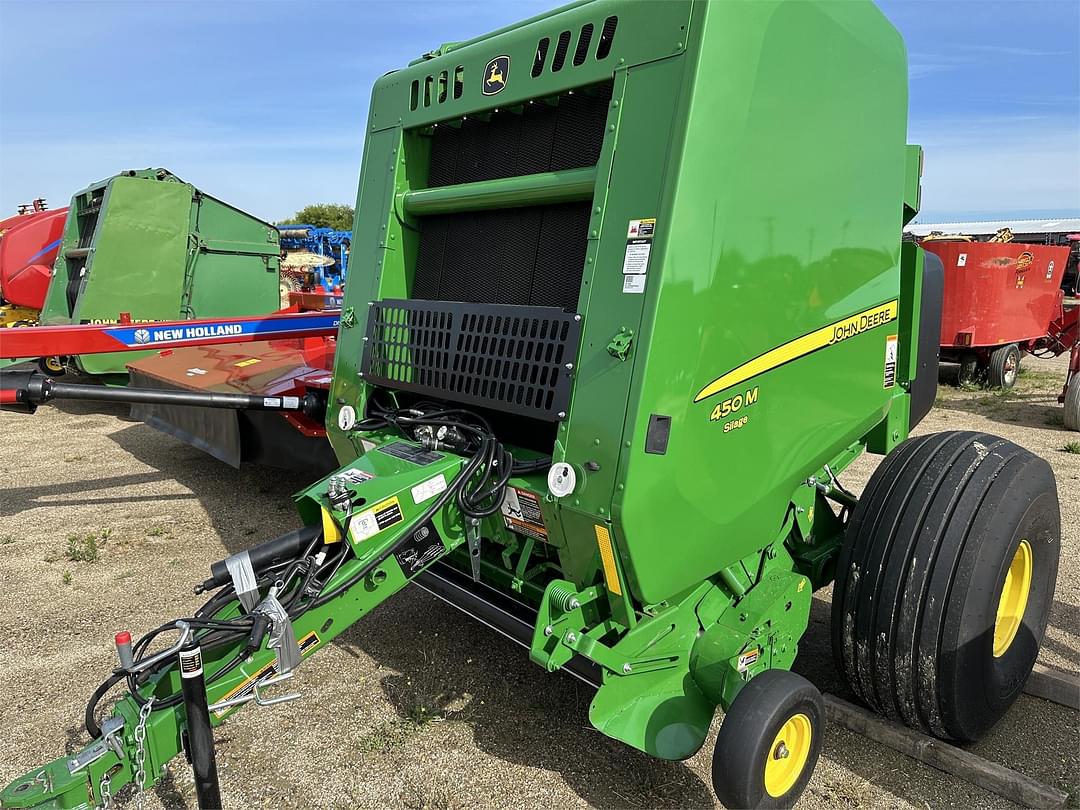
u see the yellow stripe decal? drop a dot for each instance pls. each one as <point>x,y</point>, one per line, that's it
<point>607,557</point>
<point>800,347</point>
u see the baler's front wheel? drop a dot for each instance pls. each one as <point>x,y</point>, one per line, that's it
<point>769,742</point>
<point>945,581</point>
<point>1004,367</point>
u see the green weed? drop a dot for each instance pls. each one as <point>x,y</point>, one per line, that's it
<point>67,577</point>
<point>1072,447</point>
<point>88,547</point>
<point>7,540</point>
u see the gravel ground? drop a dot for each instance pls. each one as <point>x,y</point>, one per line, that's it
<point>416,706</point>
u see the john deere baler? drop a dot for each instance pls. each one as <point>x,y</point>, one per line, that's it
<point>631,296</point>
<point>150,245</point>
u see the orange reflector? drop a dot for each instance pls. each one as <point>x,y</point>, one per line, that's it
<point>331,531</point>
<point>607,557</point>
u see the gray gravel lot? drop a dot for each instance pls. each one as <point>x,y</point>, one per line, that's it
<point>417,705</point>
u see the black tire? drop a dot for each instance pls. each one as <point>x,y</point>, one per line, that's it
<point>748,740</point>
<point>1072,404</point>
<point>1004,367</point>
<point>969,372</point>
<point>921,574</point>
<point>53,366</point>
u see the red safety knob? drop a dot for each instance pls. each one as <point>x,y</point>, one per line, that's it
<point>123,637</point>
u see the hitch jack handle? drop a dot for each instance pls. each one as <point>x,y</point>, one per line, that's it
<point>257,696</point>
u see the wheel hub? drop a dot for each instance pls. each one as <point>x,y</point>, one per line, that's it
<point>1014,598</point>
<point>790,751</point>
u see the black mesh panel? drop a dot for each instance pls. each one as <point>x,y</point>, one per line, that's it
<point>525,256</point>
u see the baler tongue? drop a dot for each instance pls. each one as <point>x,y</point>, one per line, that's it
<point>376,524</point>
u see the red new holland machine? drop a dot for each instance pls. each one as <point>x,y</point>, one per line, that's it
<point>244,367</point>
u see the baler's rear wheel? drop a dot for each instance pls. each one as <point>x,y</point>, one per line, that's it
<point>945,581</point>
<point>1004,367</point>
<point>769,742</point>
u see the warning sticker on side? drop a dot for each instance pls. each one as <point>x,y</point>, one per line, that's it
<point>422,547</point>
<point>381,516</point>
<point>521,513</point>
<point>748,659</point>
<point>891,345</point>
<point>247,686</point>
<point>639,235</point>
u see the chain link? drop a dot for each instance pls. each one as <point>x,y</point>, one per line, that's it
<point>140,752</point>
<point>106,792</point>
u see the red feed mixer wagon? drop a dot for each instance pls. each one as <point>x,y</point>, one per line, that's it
<point>1002,300</point>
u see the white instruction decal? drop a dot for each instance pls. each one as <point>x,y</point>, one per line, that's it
<point>961,260</point>
<point>639,235</point>
<point>890,360</point>
<point>428,489</point>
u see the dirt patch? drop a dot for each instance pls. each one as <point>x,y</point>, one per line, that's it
<point>417,705</point>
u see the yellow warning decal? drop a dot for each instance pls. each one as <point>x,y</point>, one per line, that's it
<point>269,670</point>
<point>607,557</point>
<point>330,530</point>
<point>249,362</point>
<point>824,337</point>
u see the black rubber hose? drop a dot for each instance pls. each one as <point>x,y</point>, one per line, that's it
<point>287,546</point>
<point>92,728</point>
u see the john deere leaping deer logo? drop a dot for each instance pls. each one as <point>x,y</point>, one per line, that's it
<point>495,75</point>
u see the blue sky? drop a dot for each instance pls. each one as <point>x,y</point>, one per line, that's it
<point>263,103</point>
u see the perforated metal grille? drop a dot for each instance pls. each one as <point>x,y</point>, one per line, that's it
<point>508,358</point>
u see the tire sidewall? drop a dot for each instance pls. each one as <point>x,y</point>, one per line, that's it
<point>1072,403</point>
<point>984,685</point>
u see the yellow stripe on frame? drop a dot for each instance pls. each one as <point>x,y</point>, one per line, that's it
<point>800,347</point>
<point>607,557</point>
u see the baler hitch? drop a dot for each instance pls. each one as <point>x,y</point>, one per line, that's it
<point>274,604</point>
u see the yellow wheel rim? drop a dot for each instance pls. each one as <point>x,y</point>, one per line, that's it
<point>787,755</point>
<point>54,364</point>
<point>1014,599</point>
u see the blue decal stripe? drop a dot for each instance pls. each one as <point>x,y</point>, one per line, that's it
<point>156,335</point>
<point>43,251</point>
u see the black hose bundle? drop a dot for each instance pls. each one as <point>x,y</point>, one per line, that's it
<point>301,581</point>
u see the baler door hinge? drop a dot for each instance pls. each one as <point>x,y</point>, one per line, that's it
<point>620,345</point>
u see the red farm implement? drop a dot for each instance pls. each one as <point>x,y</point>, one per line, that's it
<point>1002,300</point>
<point>29,242</point>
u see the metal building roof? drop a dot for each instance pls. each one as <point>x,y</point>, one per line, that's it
<point>1059,225</point>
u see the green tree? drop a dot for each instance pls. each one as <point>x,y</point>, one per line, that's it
<point>324,215</point>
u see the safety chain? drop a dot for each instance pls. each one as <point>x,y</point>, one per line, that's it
<point>140,752</point>
<point>106,791</point>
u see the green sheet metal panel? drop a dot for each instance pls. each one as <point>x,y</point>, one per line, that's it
<point>235,271</point>
<point>782,218</point>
